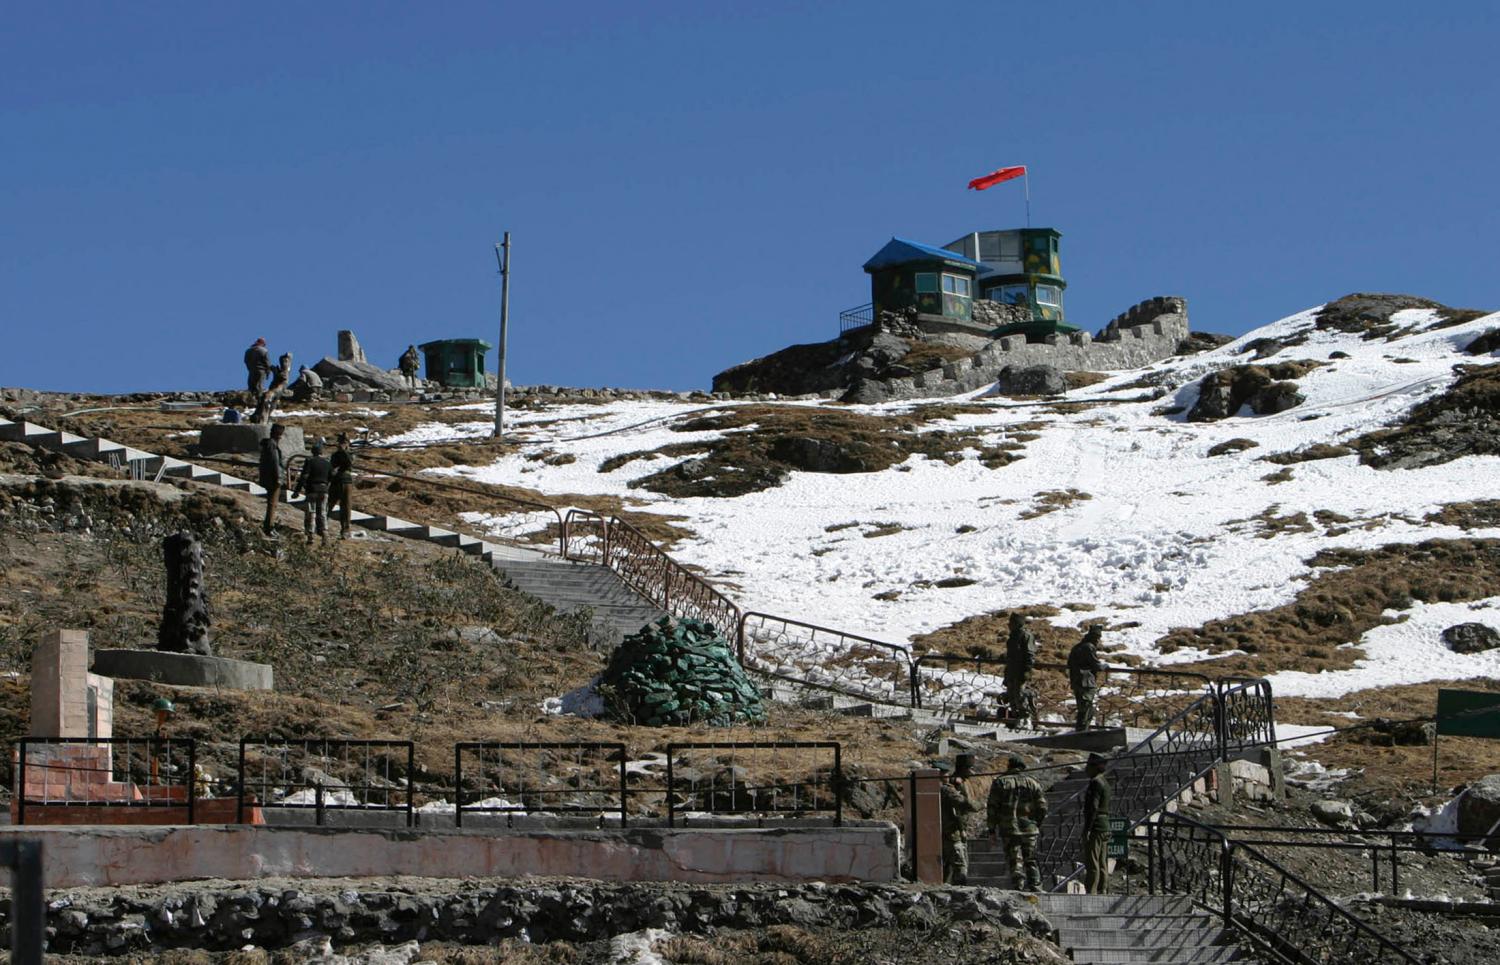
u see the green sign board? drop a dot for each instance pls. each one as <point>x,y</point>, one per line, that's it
<point>1468,713</point>
<point>1119,839</point>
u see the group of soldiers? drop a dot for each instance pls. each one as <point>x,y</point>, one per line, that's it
<point>1084,667</point>
<point>1017,805</point>
<point>258,368</point>
<point>327,482</point>
<point>1014,812</point>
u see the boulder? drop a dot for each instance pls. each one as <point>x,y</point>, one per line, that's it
<point>1484,344</point>
<point>825,455</point>
<point>359,374</point>
<point>349,348</point>
<point>1470,638</point>
<point>1276,397</point>
<point>1335,814</point>
<point>1033,380</point>
<point>1479,806</point>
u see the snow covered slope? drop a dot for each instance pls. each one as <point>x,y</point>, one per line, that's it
<point>1166,538</point>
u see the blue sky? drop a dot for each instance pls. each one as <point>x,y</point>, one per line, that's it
<point>690,185</point>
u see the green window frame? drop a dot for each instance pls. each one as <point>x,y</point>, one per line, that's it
<point>926,282</point>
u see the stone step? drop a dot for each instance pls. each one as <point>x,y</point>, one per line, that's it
<point>1133,905</point>
<point>1194,935</point>
<point>1158,956</point>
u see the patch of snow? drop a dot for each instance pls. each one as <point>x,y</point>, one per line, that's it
<point>1166,541</point>
<point>638,947</point>
<point>581,702</point>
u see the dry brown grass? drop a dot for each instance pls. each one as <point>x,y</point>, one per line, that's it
<point>1401,772</point>
<point>1052,500</point>
<point>740,462</point>
<point>1479,514</point>
<point>360,639</point>
<point>1340,603</point>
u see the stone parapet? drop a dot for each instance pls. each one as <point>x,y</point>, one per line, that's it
<point>95,856</point>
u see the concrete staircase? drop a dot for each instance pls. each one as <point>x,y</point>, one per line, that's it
<point>617,609</point>
<point>1121,929</point>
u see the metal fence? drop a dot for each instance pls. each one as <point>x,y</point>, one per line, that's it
<point>568,777</point>
<point>861,316</point>
<point>822,657</point>
<point>325,774</point>
<point>764,778</point>
<point>1127,696</point>
<point>1279,912</point>
<point>105,772</point>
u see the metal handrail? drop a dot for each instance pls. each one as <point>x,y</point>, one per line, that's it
<point>615,748</point>
<point>1277,910</point>
<point>647,569</point>
<point>1174,767</point>
<point>1133,697</point>
<point>850,642</point>
<point>860,316</point>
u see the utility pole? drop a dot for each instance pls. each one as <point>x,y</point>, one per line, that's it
<point>502,255</point>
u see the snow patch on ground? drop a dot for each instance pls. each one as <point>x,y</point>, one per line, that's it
<point>1408,652</point>
<point>1166,540</point>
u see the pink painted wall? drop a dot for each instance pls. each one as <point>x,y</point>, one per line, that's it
<point>97,855</point>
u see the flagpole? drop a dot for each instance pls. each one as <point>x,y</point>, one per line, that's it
<point>1026,180</point>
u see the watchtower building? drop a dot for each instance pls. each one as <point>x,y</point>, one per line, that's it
<point>1020,266</point>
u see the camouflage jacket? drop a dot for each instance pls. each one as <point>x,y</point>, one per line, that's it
<point>1016,805</point>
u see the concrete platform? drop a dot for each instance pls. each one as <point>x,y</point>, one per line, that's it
<point>182,669</point>
<point>245,437</point>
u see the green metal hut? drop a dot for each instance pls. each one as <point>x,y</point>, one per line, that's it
<point>457,363</point>
<point>938,283</point>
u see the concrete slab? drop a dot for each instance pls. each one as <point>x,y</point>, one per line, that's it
<point>246,437</point>
<point>182,669</point>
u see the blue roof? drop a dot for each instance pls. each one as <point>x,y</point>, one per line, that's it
<point>900,251</point>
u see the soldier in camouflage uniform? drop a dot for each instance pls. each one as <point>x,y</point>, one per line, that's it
<point>1020,658</point>
<point>1014,813</point>
<point>1084,668</point>
<point>957,804</point>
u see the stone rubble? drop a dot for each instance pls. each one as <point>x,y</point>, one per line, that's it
<point>670,674</point>
<point>314,918</point>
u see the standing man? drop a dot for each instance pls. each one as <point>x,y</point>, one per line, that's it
<point>1084,668</point>
<point>1020,658</point>
<point>1015,812</point>
<point>314,479</point>
<point>257,366</point>
<point>1096,828</point>
<point>341,485</point>
<point>408,364</point>
<point>957,805</point>
<point>272,473</point>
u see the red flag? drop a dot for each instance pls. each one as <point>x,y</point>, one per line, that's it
<point>994,178</point>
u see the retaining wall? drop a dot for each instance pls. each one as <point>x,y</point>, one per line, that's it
<point>95,855</point>
<point>1147,333</point>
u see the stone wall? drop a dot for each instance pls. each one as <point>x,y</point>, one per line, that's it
<point>1154,330</point>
